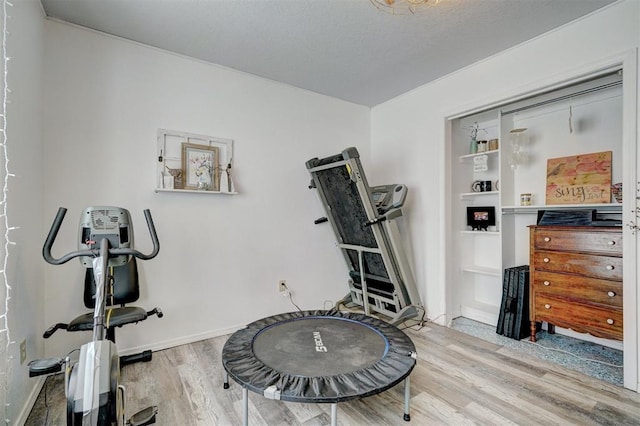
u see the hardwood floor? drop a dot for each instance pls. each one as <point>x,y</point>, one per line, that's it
<point>458,380</point>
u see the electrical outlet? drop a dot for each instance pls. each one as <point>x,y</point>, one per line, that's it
<point>282,286</point>
<point>23,351</point>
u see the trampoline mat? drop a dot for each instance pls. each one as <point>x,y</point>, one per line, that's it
<point>318,344</point>
<point>319,356</point>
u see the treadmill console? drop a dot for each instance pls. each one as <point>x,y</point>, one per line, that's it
<point>387,197</point>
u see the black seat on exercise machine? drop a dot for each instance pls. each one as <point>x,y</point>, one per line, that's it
<point>126,289</point>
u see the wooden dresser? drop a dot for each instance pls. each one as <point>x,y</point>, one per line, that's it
<point>576,279</point>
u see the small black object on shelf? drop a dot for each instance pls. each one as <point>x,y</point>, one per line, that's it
<point>480,218</point>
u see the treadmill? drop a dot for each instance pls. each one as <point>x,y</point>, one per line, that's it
<point>365,223</point>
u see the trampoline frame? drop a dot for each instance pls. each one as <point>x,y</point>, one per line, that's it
<point>240,362</point>
<point>334,405</point>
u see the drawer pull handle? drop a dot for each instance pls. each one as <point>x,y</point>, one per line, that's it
<point>611,293</point>
<point>609,267</point>
<point>545,260</point>
<point>612,243</point>
<point>547,239</point>
<point>610,321</point>
<point>546,283</point>
<point>547,306</point>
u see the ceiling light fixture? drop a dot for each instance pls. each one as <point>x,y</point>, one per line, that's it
<point>402,7</point>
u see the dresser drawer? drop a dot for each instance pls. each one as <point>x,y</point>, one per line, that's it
<point>598,321</point>
<point>582,241</point>
<point>589,290</point>
<point>588,265</point>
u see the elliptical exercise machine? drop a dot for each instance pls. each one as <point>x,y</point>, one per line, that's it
<point>92,384</point>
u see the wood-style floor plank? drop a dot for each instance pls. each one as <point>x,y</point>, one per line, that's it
<point>458,380</point>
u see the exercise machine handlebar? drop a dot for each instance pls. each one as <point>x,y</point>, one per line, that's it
<point>55,227</point>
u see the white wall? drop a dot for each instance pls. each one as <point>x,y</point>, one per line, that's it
<point>25,47</point>
<point>221,256</point>
<point>408,132</point>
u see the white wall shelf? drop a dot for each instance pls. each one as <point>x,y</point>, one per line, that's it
<point>477,194</point>
<point>482,270</point>
<point>191,163</point>
<point>194,191</point>
<point>481,233</point>
<point>469,157</point>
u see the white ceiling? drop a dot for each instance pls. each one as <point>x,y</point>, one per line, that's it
<point>347,49</point>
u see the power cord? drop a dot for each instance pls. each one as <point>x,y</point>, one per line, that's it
<point>284,291</point>
<point>420,323</point>
<point>433,320</point>
<point>415,327</point>
<point>111,292</point>
<point>294,303</point>
<point>356,310</point>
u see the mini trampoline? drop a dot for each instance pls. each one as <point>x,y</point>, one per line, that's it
<point>318,357</point>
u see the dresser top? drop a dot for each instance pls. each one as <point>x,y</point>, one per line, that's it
<point>579,228</point>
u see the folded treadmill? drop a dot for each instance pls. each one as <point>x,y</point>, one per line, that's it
<point>365,223</point>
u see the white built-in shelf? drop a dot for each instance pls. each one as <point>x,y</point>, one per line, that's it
<point>467,157</point>
<point>603,207</point>
<point>477,194</point>
<point>195,191</point>
<point>482,270</point>
<point>488,233</point>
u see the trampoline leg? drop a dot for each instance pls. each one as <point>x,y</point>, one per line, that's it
<point>245,407</point>
<point>334,414</point>
<point>226,381</point>
<point>407,396</point>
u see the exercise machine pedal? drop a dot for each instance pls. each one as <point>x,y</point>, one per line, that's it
<point>141,357</point>
<point>144,417</point>
<point>40,367</point>
<point>155,311</point>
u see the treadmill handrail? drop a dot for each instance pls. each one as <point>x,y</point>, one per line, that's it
<point>329,166</point>
<point>376,220</point>
<point>55,227</point>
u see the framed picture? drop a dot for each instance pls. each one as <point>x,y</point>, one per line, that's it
<point>479,218</point>
<point>200,167</point>
<point>579,179</point>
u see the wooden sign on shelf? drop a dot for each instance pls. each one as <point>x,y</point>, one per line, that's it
<point>579,179</point>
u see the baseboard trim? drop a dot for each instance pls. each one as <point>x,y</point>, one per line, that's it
<point>183,340</point>
<point>479,315</point>
<point>31,400</point>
